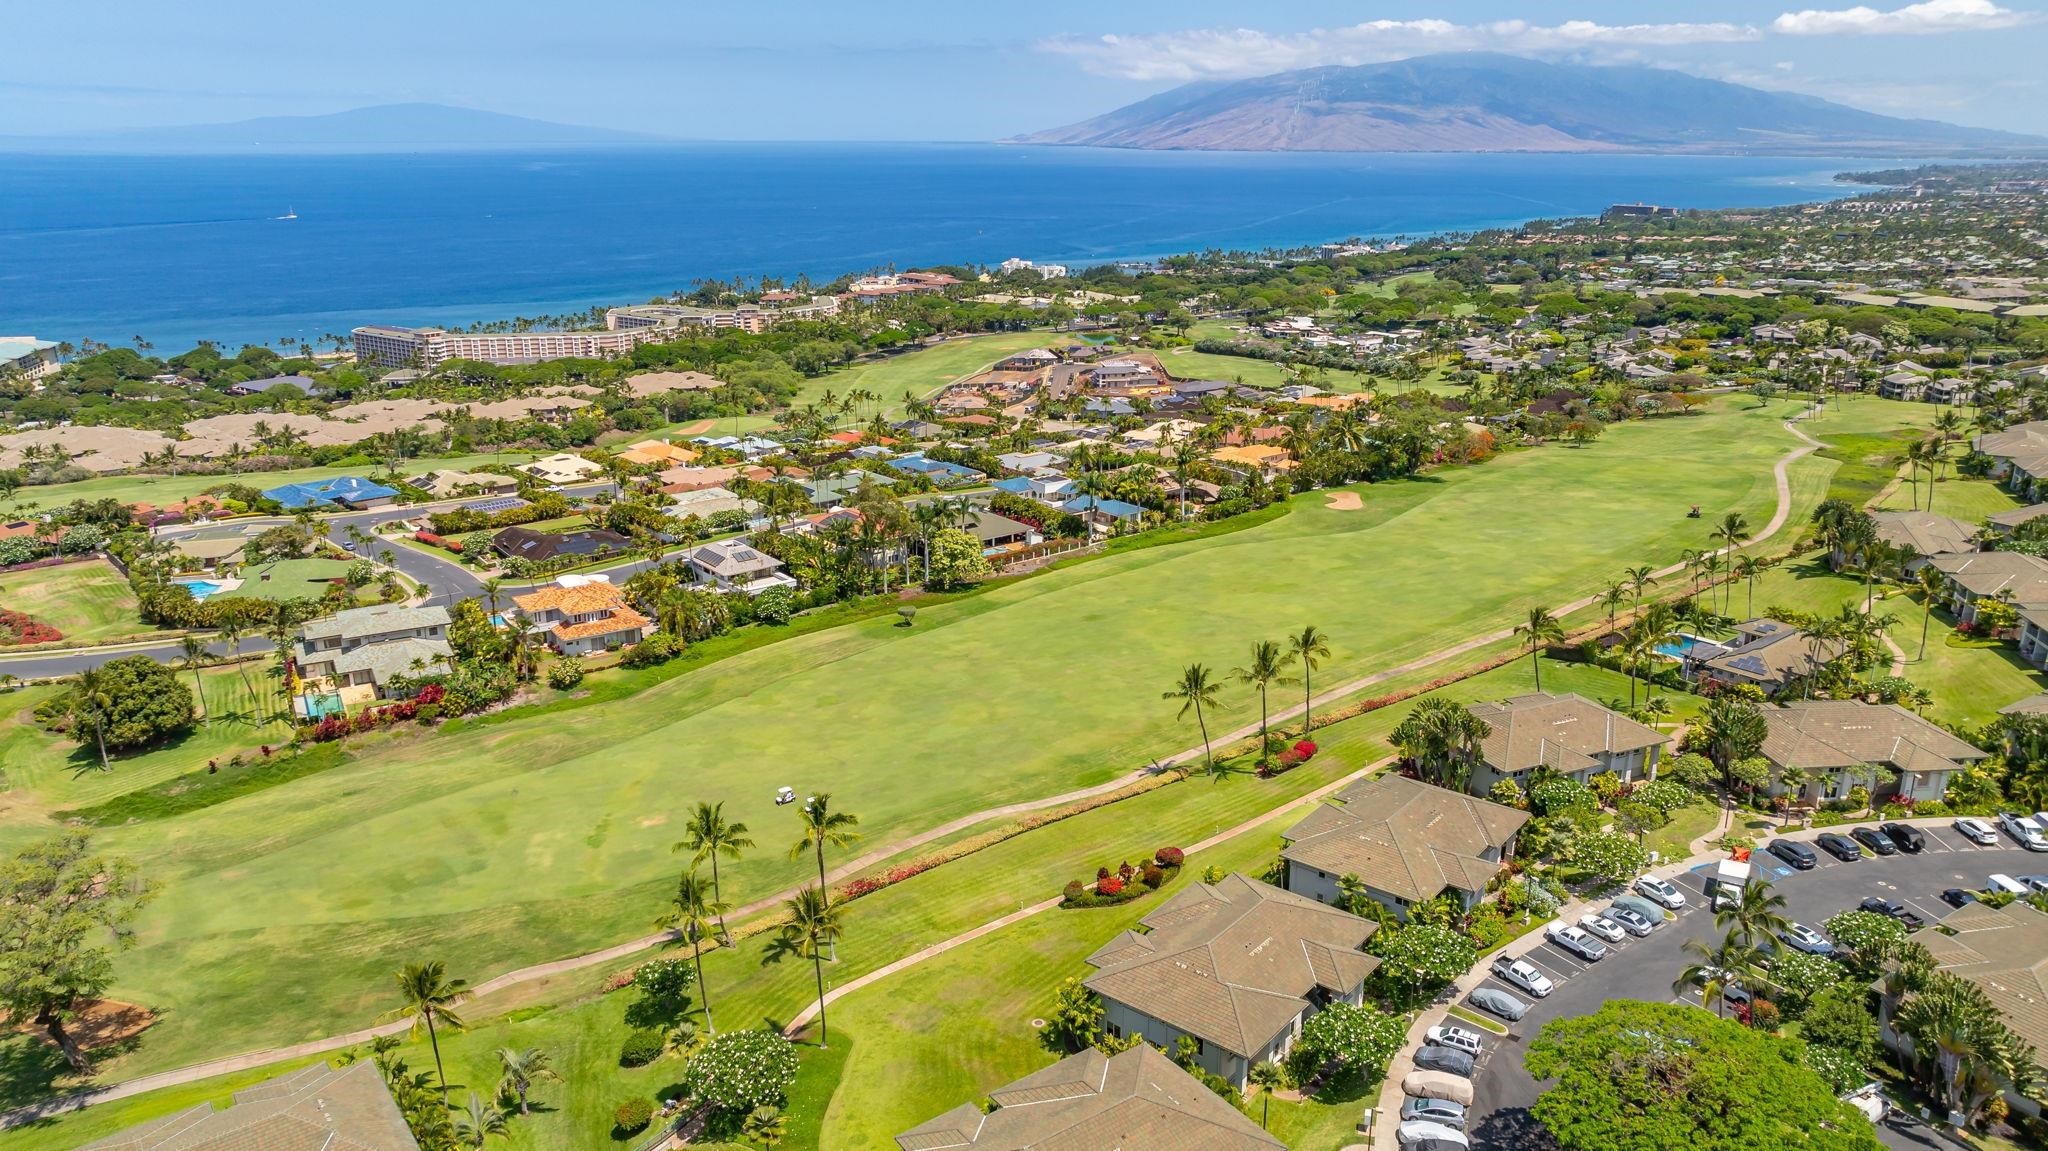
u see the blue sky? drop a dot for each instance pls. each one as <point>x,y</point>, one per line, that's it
<point>955,70</point>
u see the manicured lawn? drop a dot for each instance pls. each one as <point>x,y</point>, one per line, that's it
<point>1674,839</point>
<point>1970,678</point>
<point>89,601</point>
<point>289,579</point>
<point>924,371</point>
<point>1191,364</point>
<point>1802,583</point>
<point>1966,498</point>
<point>283,912</point>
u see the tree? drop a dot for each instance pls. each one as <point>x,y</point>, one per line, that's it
<point>1265,1076</point>
<point>954,559</point>
<point>429,994</point>
<point>765,1125</point>
<point>1196,692</point>
<point>813,926</point>
<point>1961,1033</point>
<point>692,910</point>
<point>824,826</point>
<point>1732,730</point>
<point>479,1121</point>
<point>1640,580</point>
<point>521,1068</point>
<point>1266,670</point>
<point>128,703</point>
<point>1864,938</point>
<point>194,650</point>
<point>1541,628</point>
<point>709,836</point>
<point>1356,1039</point>
<point>741,1070</point>
<point>1310,646</point>
<point>1657,1076</point>
<point>1717,967</point>
<point>1421,957</point>
<point>1758,913</point>
<point>1838,1017</point>
<point>1075,1020</point>
<point>62,912</point>
<point>1610,858</point>
<point>1442,736</point>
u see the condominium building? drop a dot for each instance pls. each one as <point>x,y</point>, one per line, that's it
<point>426,347</point>
<point>755,318</point>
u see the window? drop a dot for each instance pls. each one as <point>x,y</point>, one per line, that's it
<point>1115,1032</point>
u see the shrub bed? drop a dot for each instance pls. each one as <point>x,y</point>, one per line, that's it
<point>1126,882</point>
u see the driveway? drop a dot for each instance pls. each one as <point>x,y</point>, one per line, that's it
<point>1643,969</point>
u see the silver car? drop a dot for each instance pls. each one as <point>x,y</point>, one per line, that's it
<point>1451,1115</point>
<point>1605,928</point>
<point>1660,892</point>
<point>1631,920</point>
<point>1807,939</point>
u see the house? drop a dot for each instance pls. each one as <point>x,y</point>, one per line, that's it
<point>352,492</point>
<point>999,533</point>
<point>683,478</point>
<point>306,384</point>
<point>1027,463</point>
<point>1949,391</point>
<point>1135,1099</point>
<point>831,491</point>
<point>210,553</point>
<point>1237,966</point>
<point>2021,580</point>
<point>583,614</point>
<point>1903,386</point>
<point>540,547</point>
<point>708,502</point>
<point>1924,534</point>
<point>1766,653</point>
<point>1267,460</point>
<point>752,447</point>
<point>2004,522</point>
<point>319,1107</point>
<point>943,474</point>
<point>1405,840</point>
<point>1050,488</point>
<point>1109,515</point>
<point>1836,739</point>
<point>2019,455</point>
<point>736,566</point>
<point>561,468</point>
<point>1568,734</point>
<point>364,647</point>
<point>446,483</point>
<point>1999,949</point>
<point>656,454</point>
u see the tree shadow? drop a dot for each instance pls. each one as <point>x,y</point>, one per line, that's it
<point>29,1073</point>
<point>1513,1127</point>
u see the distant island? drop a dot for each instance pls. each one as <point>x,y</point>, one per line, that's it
<point>382,128</point>
<point>1488,102</point>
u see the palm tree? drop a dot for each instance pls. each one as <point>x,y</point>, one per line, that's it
<point>478,1122</point>
<point>1263,672</point>
<point>1541,628</point>
<point>813,926</point>
<point>232,633</point>
<point>522,1069</point>
<point>767,1126</point>
<point>1640,580</point>
<point>1759,913</point>
<point>1265,1076</point>
<point>1197,692</point>
<point>195,650</point>
<point>491,588</point>
<point>1612,599</point>
<point>692,911</point>
<point>1931,583</point>
<point>823,826</point>
<point>1310,647</point>
<point>1442,736</point>
<point>1714,969</point>
<point>95,699</point>
<point>709,836</point>
<point>1733,529</point>
<point>429,994</point>
<point>1747,569</point>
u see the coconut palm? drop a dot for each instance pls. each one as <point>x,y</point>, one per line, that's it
<point>1640,580</point>
<point>492,588</point>
<point>1442,736</point>
<point>1747,569</point>
<point>692,911</point>
<point>429,996</point>
<point>822,827</point>
<point>195,651</point>
<point>1612,599</point>
<point>1931,583</point>
<point>709,836</point>
<point>1266,669</point>
<point>1715,968</point>
<point>1542,628</point>
<point>812,928</point>
<point>522,1068</point>
<point>91,701</point>
<point>1310,647</point>
<point>1759,913</point>
<point>1197,692</point>
<point>479,1121</point>
<point>232,633</point>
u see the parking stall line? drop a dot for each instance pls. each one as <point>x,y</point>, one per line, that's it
<point>1557,956</point>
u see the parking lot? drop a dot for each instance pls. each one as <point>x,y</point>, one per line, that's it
<point>1643,969</point>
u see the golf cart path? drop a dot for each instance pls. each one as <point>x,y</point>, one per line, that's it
<point>254,1059</point>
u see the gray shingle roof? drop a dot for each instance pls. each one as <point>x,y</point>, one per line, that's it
<point>376,619</point>
<point>1404,837</point>
<point>1829,735</point>
<point>1564,732</point>
<point>2003,950</point>
<point>1925,533</point>
<point>316,1108</point>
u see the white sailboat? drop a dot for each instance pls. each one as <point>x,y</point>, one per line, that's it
<point>289,214</point>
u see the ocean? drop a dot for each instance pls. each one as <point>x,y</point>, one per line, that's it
<point>178,248</point>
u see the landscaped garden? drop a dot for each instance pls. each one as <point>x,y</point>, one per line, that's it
<point>85,601</point>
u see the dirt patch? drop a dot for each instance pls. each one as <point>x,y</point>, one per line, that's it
<point>697,429</point>
<point>1343,502</point>
<point>100,1023</point>
<point>653,820</point>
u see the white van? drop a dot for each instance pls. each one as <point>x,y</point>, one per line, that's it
<point>2008,885</point>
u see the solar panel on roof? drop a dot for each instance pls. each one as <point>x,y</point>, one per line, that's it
<point>495,504</point>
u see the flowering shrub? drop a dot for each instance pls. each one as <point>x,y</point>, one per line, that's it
<point>24,630</point>
<point>1111,886</point>
<point>336,726</point>
<point>432,540</point>
<point>633,1115</point>
<point>738,1071</point>
<point>1169,857</point>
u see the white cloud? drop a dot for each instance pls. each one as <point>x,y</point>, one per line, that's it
<point>1236,52</point>
<point>1923,19</point>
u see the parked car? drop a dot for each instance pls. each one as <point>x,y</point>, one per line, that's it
<point>1445,1059</point>
<point>1632,921</point>
<point>1800,856</point>
<point>1839,846</point>
<point>2036,883</point>
<point>1494,1001</point>
<point>2023,830</point>
<point>1976,831</point>
<point>1807,939</point>
<point>1731,991</point>
<point>1957,896</point>
<point>1422,1136</point>
<point>1447,1035</point>
<point>1660,892</point>
<point>1523,974</point>
<point>1437,1085</point>
<point>1576,941</point>
<point>1878,905</point>
<point>1907,838</point>
<point>1875,840</point>
<point>1595,924</point>
<point>1442,1111</point>
<point>2004,884</point>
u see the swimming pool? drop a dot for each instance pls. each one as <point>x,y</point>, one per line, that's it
<point>201,588</point>
<point>1681,647</point>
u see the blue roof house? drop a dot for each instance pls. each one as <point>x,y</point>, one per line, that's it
<point>940,471</point>
<point>1105,513</point>
<point>348,491</point>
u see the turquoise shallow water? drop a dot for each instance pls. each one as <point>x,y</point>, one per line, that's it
<point>180,248</point>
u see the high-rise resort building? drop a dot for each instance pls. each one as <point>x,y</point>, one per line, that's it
<point>29,356</point>
<point>625,329</point>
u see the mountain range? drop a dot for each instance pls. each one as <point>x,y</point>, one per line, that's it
<point>382,128</point>
<point>1488,102</point>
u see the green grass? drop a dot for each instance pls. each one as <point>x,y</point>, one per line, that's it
<point>1966,498</point>
<point>89,601</point>
<point>1970,678</point>
<point>923,372</point>
<point>1190,364</point>
<point>1674,839</point>
<point>289,579</point>
<point>548,834</point>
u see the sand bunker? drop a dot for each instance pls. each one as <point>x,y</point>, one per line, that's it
<point>1343,502</point>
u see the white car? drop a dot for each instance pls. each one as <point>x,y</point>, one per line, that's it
<point>1577,942</point>
<point>1977,831</point>
<point>1807,939</point>
<point>1660,892</point>
<point>2024,831</point>
<point>1523,974</point>
<point>1419,1133</point>
<point>1603,927</point>
<point>1446,1035</point>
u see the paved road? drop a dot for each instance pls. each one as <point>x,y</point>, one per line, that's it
<point>1643,969</point>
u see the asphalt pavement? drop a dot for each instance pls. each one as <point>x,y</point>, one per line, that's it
<point>1644,969</point>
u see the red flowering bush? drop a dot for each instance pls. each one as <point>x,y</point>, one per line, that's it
<point>1109,886</point>
<point>1169,856</point>
<point>1305,748</point>
<point>23,630</point>
<point>432,540</point>
<point>337,726</point>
